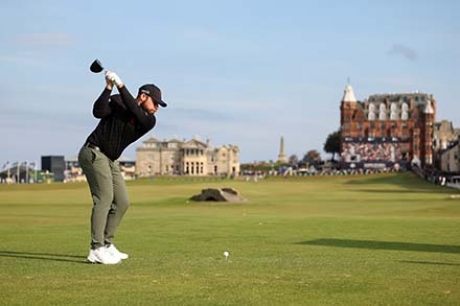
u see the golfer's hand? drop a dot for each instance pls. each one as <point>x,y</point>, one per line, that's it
<point>109,83</point>
<point>112,76</point>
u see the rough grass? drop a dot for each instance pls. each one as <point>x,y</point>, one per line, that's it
<point>369,240</point>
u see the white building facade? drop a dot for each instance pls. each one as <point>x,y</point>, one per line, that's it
<point>450,158</point>
<point>192,157</point>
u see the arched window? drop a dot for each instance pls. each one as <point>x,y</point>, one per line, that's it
<point>404,111</point>
<point>371,113</point>
<point>382,112</point>
<point>371,116</point>
<point>393,111</point>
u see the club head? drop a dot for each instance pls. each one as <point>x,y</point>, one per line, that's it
<point>96,66</point>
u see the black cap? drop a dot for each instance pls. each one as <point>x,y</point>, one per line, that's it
<point>154,92</point>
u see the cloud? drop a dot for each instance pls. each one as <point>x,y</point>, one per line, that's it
<point>45,40</point>
<point>23,58</point>
<point>399,49</point>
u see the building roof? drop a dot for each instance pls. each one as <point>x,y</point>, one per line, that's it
<point>413,101</point>
<point>401,97</point>
<point>152,139</point>
<point>349,95</point>
<point>429,108</point>
<point>444,125</point>
<point>192,144</point>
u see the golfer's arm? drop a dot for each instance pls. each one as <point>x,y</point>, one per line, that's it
<point>101,106</point>
<point>133,107</point>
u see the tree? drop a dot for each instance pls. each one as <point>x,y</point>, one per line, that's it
<point>332,144</point>
<point>293,159</point>
<point>312,157</point>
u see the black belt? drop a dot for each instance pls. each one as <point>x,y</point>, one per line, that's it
<point>90,145</point>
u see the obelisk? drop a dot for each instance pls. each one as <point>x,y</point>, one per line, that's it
<point>282,157</point>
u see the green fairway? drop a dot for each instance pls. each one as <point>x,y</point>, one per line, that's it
<point>346,240</point>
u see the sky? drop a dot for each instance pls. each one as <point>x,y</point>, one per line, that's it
<point>241,72</point>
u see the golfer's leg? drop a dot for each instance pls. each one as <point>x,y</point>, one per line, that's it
<point>97,170</point>
<point>119,206</point>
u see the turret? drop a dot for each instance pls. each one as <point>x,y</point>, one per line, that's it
<point>428,114</point>
<point>347,110</point>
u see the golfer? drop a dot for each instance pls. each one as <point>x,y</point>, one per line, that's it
<point>123,120</point>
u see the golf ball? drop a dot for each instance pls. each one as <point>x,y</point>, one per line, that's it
<point>226,254</point>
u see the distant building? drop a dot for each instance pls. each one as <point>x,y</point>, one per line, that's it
<point>74,173</point>
<point>18,172</point>
<point>387,130</point>
<point>192,157</point>
<point>450,158</point>
<point>55,165</point>
<point>443,134</point>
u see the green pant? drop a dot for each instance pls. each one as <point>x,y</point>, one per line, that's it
<point>108,190</point>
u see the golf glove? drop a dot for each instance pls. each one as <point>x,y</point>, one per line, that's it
<point>114,78</point>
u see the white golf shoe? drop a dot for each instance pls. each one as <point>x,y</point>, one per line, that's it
<point>112,250</point>
<point>102,256</point>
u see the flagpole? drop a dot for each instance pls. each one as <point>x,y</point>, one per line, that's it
<point>17,174</point>
<point>8,172</point>
<point>27,172</point>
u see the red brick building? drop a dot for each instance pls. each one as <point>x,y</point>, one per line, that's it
<point>387,130</point>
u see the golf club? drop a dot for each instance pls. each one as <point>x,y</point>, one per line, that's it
<point>96,66</point>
